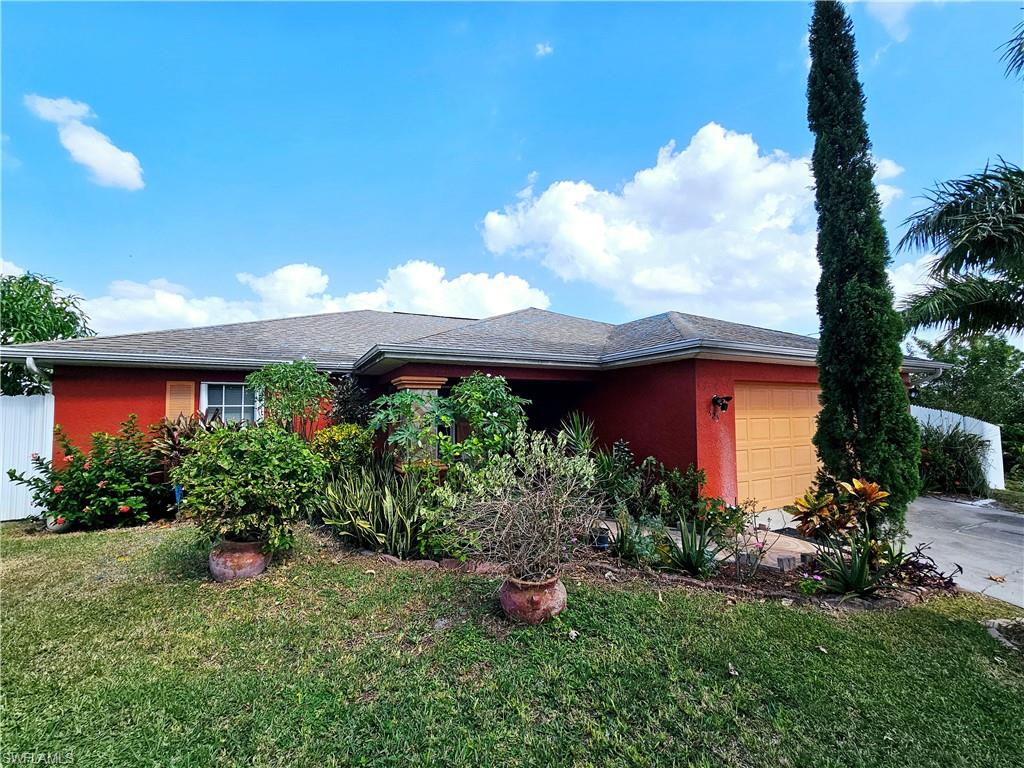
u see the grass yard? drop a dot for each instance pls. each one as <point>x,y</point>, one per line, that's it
<point>1012,498</point>
<point>117,649</point>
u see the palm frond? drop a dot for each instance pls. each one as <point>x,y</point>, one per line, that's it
<point>968,305</point>
<point>973,223</point>
<point>1013,52</point>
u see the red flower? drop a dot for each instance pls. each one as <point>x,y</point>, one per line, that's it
<point>58,488</point>
<point>124,509</point>
<point>86,465</point>
<point>59,520</point>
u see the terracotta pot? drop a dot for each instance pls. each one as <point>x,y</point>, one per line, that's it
<point>54,527</point>
<point>230,560</point>
<point>532,602</point>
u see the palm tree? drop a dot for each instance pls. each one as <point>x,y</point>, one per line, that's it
<point>976,226</point>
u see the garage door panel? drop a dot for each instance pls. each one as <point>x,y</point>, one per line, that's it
<point>775,458</point>
<point>782,457</point>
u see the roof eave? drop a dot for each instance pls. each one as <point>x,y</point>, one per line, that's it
<point>49,357</point>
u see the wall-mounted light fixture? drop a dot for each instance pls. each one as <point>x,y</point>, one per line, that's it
<point>719,403</point>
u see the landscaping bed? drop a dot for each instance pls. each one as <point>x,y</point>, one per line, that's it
<point>118,649</point>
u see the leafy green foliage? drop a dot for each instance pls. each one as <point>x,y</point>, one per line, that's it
<point>110,485</point>
<point>373,506</point>
<point>647,488</point>
<point>294,395</point>
<point>172,438</point>
<point>530,508</point>
<point>350,403</point>
<point>250,484</point>
<point>343,446</point>
<point>986,381</point>
<point>35,309</point>
<point>864,427</point>
<point>953,461</point>
<point>493,415</point>
<point>411,422</point>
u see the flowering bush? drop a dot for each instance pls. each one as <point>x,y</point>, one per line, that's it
<point>250,485</point>
<point>111,485</point>
<point>492,414</point>
<point>343,446</point>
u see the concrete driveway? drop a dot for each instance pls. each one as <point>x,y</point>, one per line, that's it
<point>984,540</point>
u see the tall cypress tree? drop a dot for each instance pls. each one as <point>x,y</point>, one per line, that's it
<point>865,428</point>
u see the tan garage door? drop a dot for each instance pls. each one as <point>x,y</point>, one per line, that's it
<point>775,459</point>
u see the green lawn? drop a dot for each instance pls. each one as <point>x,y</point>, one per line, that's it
<point>1012,498</point>
<point>116,648</point>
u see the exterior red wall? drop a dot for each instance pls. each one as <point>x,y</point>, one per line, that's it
<point>716,439</point>
<point>91,399</point>
<point>650,406</point>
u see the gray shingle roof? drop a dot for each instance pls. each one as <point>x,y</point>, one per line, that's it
<point>333,340</point>
<point>343,340</point>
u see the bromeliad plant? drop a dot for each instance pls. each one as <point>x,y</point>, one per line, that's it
<point>113,484</point>
<point>251,484</point>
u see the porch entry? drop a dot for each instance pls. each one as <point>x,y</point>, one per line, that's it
<point>775,458</point>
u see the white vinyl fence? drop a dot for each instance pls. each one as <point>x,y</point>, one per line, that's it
<point>990,432</point>
<point>26,427</point>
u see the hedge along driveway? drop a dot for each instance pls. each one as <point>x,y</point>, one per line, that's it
<point>117,648</point>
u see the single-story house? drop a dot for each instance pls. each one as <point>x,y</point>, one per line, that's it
<point>736,400</point>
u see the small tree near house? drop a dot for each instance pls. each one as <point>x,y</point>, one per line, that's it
<point>294,395</point>
<point>864,428</point>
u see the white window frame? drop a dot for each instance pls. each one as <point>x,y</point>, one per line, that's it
<point>204,401</point>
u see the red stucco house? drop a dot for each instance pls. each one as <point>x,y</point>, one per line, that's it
<point>659,382</point>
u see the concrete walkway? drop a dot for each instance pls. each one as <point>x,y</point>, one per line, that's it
<point>984,540</point>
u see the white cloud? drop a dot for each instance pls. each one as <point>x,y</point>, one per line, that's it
<point>544,49</point>
<point>720,228</point>
<point>886,170</point>
<point>110,166</point>
<point>10,268</point>
<point>299,289</point>
<point>910,277</point>
<point>892,14</point>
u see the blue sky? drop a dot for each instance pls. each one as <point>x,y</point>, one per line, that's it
<point>192,164</point>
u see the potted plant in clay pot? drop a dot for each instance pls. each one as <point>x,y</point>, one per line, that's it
<point>528,510</point>
<point>246,489</point>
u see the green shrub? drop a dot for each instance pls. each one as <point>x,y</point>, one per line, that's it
<point>172,438</point>
<point>492,414</point>
<point>857,564</point>
<point>375,507</point>
<point>343,446</point>
<point>250,484</point>
<point>953,461</point>
<point>647,489</point>
<point>111,485</point>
